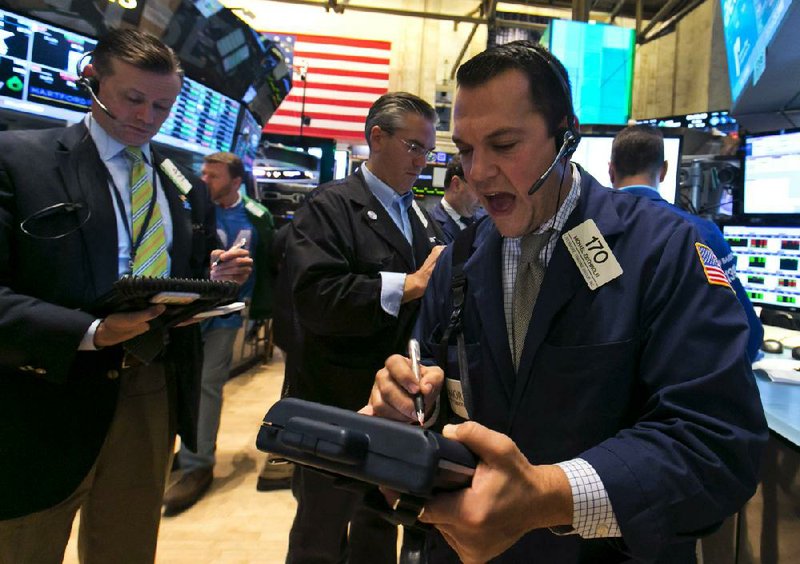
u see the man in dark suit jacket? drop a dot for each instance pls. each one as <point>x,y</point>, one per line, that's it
<point>86,425</point>
<point>359,258</point>
<point>457,208</point>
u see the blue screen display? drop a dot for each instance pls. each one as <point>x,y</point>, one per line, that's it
<point>201,121</point>
<point>749,26</point>
<point>39,66</point>
<point>599,60</point>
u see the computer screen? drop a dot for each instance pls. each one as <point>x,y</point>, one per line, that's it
<point>749,26</point>
<point>594,153</point>
<point>248,138</point>
<point>599,61</point>
<point>767,263</point>
<point>39,66</point>
<point>772,173</point>
<point>201,121</point>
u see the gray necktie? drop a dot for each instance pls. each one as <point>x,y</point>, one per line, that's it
<point>530,273</point>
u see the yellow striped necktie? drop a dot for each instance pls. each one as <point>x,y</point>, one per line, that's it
<point>150,257</point>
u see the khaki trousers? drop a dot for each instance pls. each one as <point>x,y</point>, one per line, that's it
<point>120,498</point>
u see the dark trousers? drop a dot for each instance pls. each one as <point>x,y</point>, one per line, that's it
<point>319,533</point>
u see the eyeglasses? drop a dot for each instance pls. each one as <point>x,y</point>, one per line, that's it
<point>418,150</point>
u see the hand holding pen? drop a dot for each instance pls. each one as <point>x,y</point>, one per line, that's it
<point>234,264</point>
<point>419,401</point>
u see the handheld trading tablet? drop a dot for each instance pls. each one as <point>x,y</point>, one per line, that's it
<point>399,456</point>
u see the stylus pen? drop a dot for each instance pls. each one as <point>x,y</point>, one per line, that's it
<point>419,402</point>
<point>238,245</point>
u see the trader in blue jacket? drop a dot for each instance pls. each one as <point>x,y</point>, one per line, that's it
<point>637,166</point>
<point>621,421</point>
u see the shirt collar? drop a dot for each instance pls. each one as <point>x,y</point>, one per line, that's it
<point>385,194</point>
<point>556,224</point>
<point>454,215</point>
<point>108,147</point>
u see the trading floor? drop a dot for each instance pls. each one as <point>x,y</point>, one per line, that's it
<point>233,523</point>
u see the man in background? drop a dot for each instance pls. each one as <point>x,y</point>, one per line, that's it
<point>239,219</point>
<point>358,259</point>
<point>637,166</point>
<point>87,424</point>
<point>457,208</point>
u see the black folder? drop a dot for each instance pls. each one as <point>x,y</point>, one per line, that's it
<point>405,458</point>
<point>183,298</point>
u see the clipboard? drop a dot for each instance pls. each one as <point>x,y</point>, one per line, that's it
<point>183,297</point>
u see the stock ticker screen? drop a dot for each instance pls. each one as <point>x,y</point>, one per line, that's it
<point>39,67</point>
<point>767,263</point>
<point>201,121</point>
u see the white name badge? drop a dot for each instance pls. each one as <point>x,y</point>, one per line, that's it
<point>591,254</point>
<point>176,176</point>
<point>254,209</point>
<point>456,397</point>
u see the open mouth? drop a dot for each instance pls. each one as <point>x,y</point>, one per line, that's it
<point>499,202</point>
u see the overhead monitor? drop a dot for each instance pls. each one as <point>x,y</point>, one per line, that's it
<point>749,26</point>
<point>720,120</point>
<point>38,68</point>
<point>772,173</point>
<point>599,61</point>
<point>594,153</point>
<point>767,263</point>
<point>201,121</point>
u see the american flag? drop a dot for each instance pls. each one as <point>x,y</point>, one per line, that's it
<point>711,266</point>
<point>343,77</point>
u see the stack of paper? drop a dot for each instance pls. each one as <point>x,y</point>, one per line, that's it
<point>782,370</point>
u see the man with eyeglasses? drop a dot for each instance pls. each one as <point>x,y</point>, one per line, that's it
<point>359,258</point>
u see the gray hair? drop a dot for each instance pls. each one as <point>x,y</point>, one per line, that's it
<point>388,111</point>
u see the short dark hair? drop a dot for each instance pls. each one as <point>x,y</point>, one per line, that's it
<point>454,168</point>
<point>638,149</point>
<point>235,166</point>
<point>550,93</point>
<point>139,49</point>
<point>388,111</point>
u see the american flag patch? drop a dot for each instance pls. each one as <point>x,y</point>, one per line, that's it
<point>711,266</point>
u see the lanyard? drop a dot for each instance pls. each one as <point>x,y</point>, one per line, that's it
<point>129,226</point>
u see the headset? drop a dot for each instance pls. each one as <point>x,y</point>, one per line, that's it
<point>566,138</point>
<point>92,85</point>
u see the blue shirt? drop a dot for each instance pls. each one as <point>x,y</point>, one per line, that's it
<point>233,223</point>
<point>392,283</point>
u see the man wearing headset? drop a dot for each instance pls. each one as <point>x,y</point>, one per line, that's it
<point>621,420</point>
<point>87,424</point>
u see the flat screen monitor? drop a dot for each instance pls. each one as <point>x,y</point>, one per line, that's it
<point>594,153</point>
<point>772,173</point>
<point>705,121</point>
<point>248,137</point>
<point>201,121</point>
<point>749,26</point>
<point>599,60</point>
<point>38,68</point>
<point>767,263</point>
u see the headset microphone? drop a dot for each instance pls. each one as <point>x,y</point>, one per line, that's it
<point>91,84</point>
<point>567,148</point>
